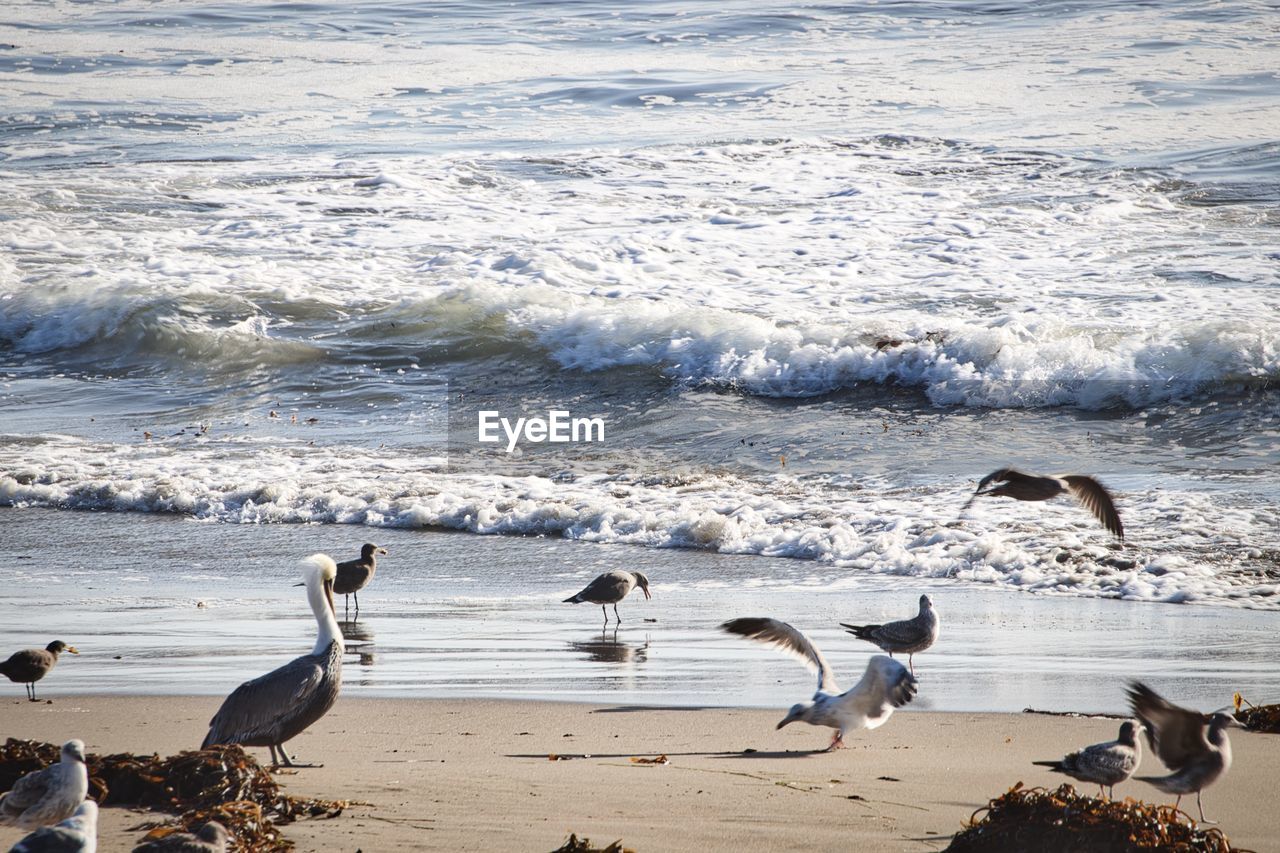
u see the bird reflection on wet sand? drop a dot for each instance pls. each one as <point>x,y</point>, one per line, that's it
<point>607,648</point>
<point>359,640</point>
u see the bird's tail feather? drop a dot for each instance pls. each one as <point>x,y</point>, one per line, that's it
<point>859,631</point>
<point>1052,765</point>
<point>573,599</point>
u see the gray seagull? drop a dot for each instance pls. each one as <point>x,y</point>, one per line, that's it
<point>76,834</point>
<point>1104,764</point>
<point>610,588</point>
<point>354,575</point>
<point>1031,487</point>
<point>907,636</point>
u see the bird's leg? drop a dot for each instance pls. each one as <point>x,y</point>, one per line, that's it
<point>615,613</point>
<point>289,762</point>
<point>346,602</point>
<point>1203,819</point>
<point>275,761</point>
<point>32,692</point>
<point>837,741</point>
<point>911,663</point>
<point>1177,803</point>
<point>357,598</point>
<point>1102,792</point>
<point>605,611</point>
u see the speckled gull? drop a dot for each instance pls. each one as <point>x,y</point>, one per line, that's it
<point>76,834</point>
<point>1104,764</point>
<point>44,797</point>
<point>907,636</point>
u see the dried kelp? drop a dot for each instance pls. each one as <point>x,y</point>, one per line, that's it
<point>1258,718</point>
<point>1062,821</point>
<point>222,783</point>
<point>583,845</point>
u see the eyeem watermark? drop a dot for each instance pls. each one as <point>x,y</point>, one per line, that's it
<point>558,427</point>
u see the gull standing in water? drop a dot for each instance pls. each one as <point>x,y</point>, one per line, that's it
<point>212,838</point>
<point>44,797</point>
<point>30,665</point>
<point>354,575</point>
<point>885,684</point>
<point>1108,763</point>
<point>1193,745</point>
<point>76,834</point>
<point>610,588</point>
<point>1031,487</point>
<point>907,636</point>
<point>278,706</point>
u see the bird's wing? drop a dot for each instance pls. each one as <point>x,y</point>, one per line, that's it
<point>609,586</point>
<point>1107,759</point>
<point>257,707</point>
<point>1176,734</point>
<point>31,789</point>
<point>885,685</point>
<point>53,839</point>
<point>787,638</point>
<point>1000,475</point>
<point>906,632</point>
<point>1097,500</point>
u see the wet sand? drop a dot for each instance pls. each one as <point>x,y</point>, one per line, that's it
<point>475,775</point>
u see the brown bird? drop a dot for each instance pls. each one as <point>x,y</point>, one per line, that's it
<point>212,838</point>
<point>30,665</point>
<point>1031,487</point>
<point>353,575</point>
<point>610,588</point>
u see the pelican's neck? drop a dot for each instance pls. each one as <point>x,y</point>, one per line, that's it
<point>328,631</point>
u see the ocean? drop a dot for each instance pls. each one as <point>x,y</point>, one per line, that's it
<point>817,268</point>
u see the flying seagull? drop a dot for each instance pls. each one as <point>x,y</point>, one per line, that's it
<point>1193,745</point>
<point>30,665</point>
<point>1030,487</point>
<point>885,684</point>
<point>1104,764</point>
<point>278,706</point>
<point>610,588</point>
<point>44,797</point>
<point>907,636</point>
<point>76,834</point>
<point>354,575</point>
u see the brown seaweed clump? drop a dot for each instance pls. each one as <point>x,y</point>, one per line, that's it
<point>583,845</point>
<point>1062,821</point>
<point>1258,718</point>
<point>222,783</point>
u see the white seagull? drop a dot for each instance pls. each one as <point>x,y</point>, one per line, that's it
<point>44,797</point>
<point>76,834</point>
<point>885,684</point>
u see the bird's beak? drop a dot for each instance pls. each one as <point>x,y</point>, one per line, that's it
<point>382,550</point>
<point>1236,724</point>
<point>328,594</point>
<point>299,584</point>
<point>73,650</point>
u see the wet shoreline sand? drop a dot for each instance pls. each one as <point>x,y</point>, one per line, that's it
<point>475,775</point>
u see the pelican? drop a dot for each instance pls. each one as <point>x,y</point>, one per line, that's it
<point>905,636</point>
<point>1108,763</point>
<point>212,838</point>
<point>1030,487</point>
<point>610,588</point>
<point>76,834</point>
<point>1193,745</point>
<point>44,797</point>
<point>885,684</point>
<point>278,706</point>
<point>353,575</point>
<point>30,665</point>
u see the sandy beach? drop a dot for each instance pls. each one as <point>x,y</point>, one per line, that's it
<point>475,775</point>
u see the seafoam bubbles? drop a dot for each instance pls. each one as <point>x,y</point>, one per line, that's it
<point>1212,549</point>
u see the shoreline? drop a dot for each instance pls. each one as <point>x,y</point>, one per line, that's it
<point>453,774</point>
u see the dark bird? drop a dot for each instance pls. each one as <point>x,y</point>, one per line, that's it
<point>1193,745</point>
<point>44,797</point>
<point>211,838</point>
<point>30,665</point>
<point>610,588</point>
<point>1030,487</point>
<point>885,683</point>
<point>1104,764</point>
<point>76,834</point>
<point>907,636</point>
<point>278,706</point>
<point>353,575</point>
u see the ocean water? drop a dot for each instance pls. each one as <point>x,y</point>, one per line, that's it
<point>819,267</point>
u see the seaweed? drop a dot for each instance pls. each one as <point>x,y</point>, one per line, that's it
<point>1063,821</point>
<point>222,783</point>
<point>1257,718</point>
<point>583,845</point>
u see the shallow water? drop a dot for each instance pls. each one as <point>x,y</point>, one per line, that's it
<point>819,269</point>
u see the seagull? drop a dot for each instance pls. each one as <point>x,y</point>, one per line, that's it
<point>1030,487</point>
<point>1193,745</point>
<point>278,706</point>
<point>885,684</point>
<point>30,665</point>
<point>353,575</point>
<point>610,588</point>
<point>211,838</point>
<point>44,797</point>
<point>908,635</point>
<point>1108,763</point>
<point>76,834</point>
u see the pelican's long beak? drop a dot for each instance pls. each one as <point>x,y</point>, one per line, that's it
<point>328,594</point>
<point>72,649</point>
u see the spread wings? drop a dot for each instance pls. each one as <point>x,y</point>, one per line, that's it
<point>783,636</point>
